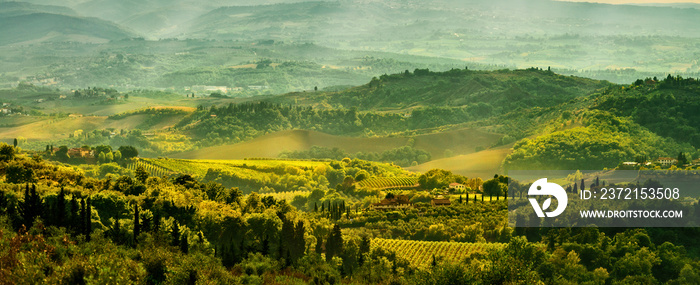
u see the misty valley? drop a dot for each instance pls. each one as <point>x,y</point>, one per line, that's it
<point>351,142</point>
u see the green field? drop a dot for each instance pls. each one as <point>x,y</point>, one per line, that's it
<point>420,253</point>
<point>199,167</point>
<point>392,182</point>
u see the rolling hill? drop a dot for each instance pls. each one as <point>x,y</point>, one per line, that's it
<point>397,20</point>
<point>272,145</point>
<point>569,37</point>
<point>503,90</point>
<point>39,27</point>
<point>619,43</point>
<point>461,120</point>
<point>53,129</point>
<point>11,8</point>
<point>482,164</point>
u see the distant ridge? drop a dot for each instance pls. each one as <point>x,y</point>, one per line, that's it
<point>41,26</point>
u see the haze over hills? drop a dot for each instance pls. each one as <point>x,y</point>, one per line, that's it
<point>23,22</point>
<point>153,19</point>
<point>593,40</point>
<point>11,8</point>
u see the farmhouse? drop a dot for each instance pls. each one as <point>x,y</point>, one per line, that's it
<point>440,202</point>
<point>666,160</point>
<point>203,88</point>
<point>457,186</point>
<point>81,152</point>
<point>398,202</point>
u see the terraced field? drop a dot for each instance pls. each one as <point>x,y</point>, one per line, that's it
<point>420,253</point>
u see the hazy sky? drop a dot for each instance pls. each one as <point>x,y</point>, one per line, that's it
<point>637,1</point>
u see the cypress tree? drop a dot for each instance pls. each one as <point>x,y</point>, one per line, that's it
<point>319,245</point>
<point>88,220</point>
<point>32,206</point>
<point>175,233</point>
<point>137,224</point>
<point>60,208</point>
<point>184,245</point>
<point>145,224</point>
<point>334,245</point>
<point>265,246</point>
<point>364,249</point>
<point>83,216</point>
<point>25,208</point>
<point>74,218</point>
<point>116,230</point>
<point>330,250</point>
<point>156,222</point>
<point>3,203</point>
<point>286,237</point>
<point>315,207</point>
<point>299,240</point>
<point>288,259</point>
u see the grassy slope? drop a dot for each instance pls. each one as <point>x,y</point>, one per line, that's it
<point>59,128</point>
<point>504,88</point>
<point>482,164</point>
<point>459,141</point>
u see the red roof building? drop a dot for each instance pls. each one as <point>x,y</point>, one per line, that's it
<point>440,202</point>
<point>398,202</point>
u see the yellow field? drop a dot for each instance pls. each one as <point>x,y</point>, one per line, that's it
<point>199,167</point>
<point>53,128</point>
<point>271,145</point>
<point>482,164</point>
<point>463,141</point>
<point>420,253</point>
